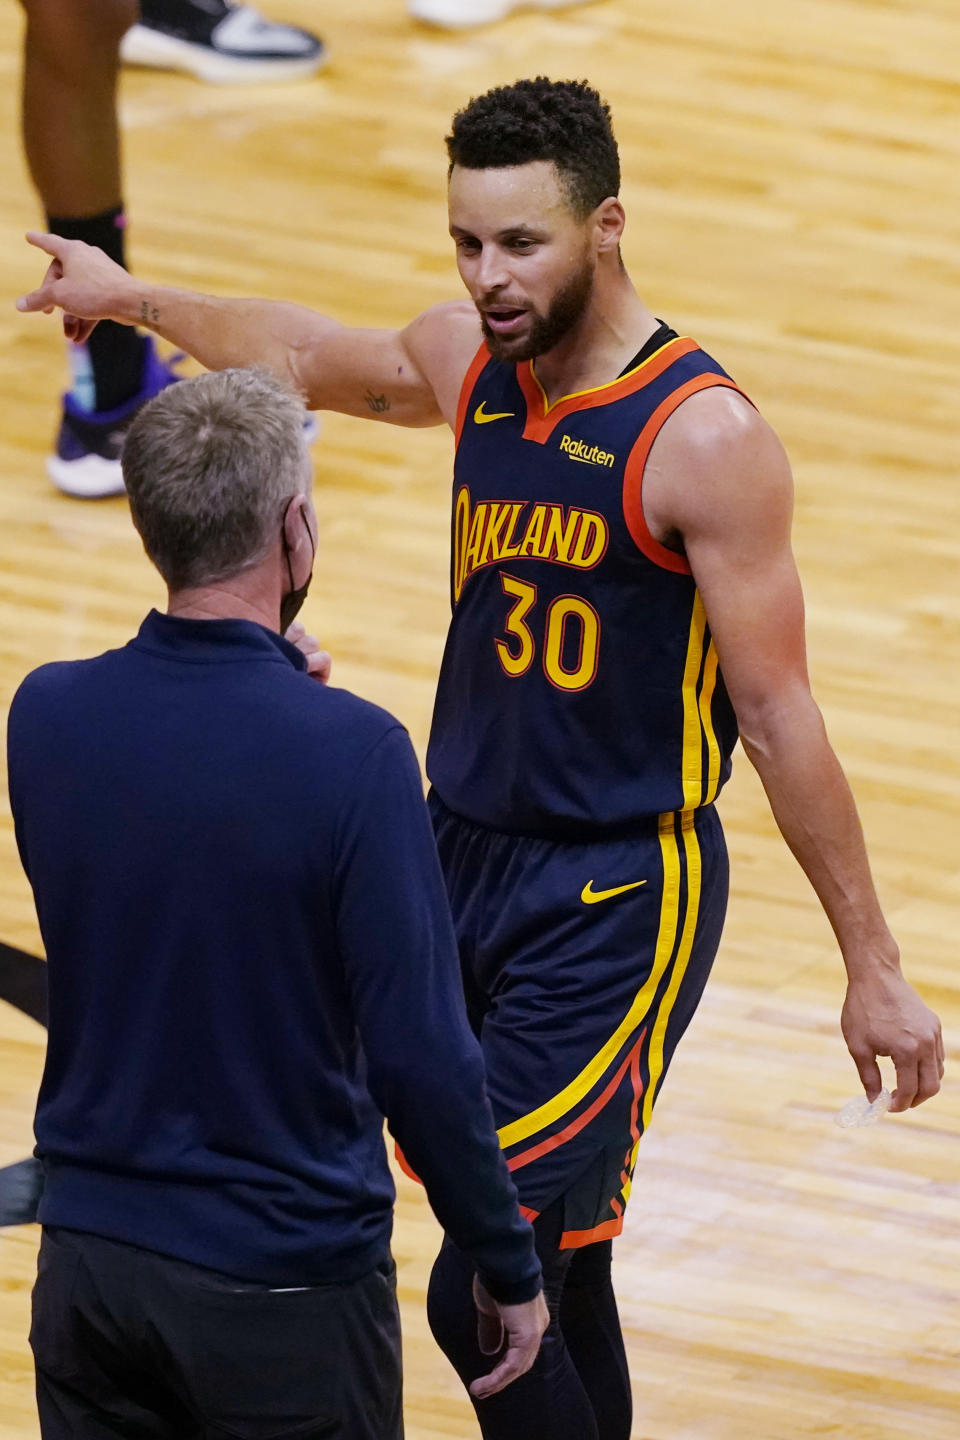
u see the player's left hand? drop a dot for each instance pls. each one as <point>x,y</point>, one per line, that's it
<point>884,1015</point>
<point>319,662</point>
<point>84,283</point>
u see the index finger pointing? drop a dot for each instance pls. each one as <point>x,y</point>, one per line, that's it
<point>52,244</point>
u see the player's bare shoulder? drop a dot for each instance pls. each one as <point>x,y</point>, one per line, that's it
<point>441,342</point>
<point>714,457</point>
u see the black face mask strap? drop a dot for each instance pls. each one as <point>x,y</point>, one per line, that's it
<point>291,602</point>
<point>286,548</point>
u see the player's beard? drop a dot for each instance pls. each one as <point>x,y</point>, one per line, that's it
<point>564,311</point>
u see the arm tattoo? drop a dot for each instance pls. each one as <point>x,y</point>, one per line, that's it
<point>377,403</point>
<point>149,314</point>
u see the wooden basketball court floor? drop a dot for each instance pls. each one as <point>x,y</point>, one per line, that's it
<point>793,197</point>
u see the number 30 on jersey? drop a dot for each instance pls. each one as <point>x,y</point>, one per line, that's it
<point>568,635</point>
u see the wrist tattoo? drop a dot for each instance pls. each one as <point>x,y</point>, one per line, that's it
<point>377,403</point>
<point>149,314</point>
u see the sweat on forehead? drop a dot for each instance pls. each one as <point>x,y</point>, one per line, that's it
<point>508,195</point>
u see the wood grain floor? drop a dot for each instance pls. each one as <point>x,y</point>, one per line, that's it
<point>793,198</point>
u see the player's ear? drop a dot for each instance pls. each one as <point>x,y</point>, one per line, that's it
<point>608,220</point>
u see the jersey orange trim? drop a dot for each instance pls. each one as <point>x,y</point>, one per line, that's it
<point>575,1126</point>
<point>576,1239</point>
<point>637,463</point>
<point>466,389</point>
<point>543,418</point>
<point>405,1164</point>
<point>630,1160</point>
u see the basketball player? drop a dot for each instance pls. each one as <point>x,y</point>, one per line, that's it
<point>71,61</point>
<point>624,598</point>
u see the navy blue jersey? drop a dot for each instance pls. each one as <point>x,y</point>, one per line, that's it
<point>579,689</point>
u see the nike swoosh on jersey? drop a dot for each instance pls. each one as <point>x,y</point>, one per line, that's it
<point>481,417</point>
<point>589,896</point>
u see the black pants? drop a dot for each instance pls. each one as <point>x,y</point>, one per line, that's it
<point>129,1343</point>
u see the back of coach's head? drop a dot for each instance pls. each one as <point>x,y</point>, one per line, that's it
<point>211,465</point>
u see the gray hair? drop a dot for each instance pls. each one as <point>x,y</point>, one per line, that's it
<point>210,465</point>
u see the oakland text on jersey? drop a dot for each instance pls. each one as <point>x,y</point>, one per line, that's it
<point>495,530</point>
<point>580,687</point>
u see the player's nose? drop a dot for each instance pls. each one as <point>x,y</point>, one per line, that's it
<point>492,273</point>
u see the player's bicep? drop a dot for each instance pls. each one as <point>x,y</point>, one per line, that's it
<point>736,522</point>
<point>405,377</point>
<point>368,373</point>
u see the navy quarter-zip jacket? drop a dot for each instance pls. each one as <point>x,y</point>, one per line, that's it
<point>251,961</point>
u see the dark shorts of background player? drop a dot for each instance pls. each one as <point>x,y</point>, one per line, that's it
<point>131,1343</point>
<point>579,1002</point>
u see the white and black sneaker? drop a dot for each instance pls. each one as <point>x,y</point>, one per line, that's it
<point>219,42</point>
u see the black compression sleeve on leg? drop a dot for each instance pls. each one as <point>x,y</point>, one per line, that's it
<point>591,1328</point>
<point>549,1402</point>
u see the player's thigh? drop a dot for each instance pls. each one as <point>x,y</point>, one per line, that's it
<point>589,1005</point>
<point>575,954</point>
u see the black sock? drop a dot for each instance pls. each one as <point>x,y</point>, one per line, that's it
<point>117,352</point>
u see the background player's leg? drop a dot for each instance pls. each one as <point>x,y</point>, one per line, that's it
<point>72,144</point>
<point>591,1331</point>
<point>550,1401</point>
<point>71,58</point>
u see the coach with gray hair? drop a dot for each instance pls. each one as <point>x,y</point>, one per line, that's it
<point>250,963</point>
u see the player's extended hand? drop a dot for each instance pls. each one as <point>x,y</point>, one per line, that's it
<point>319,662</point>
<point>519,1328</point>
<point>884,1015</point>
<point>82,282</point>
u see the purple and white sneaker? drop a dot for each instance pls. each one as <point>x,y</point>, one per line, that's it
<point>87,459</point>
<point>89,443</point>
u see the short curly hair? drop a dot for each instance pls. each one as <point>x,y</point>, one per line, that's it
<point>565,121</point>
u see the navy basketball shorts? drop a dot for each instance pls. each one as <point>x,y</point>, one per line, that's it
<point>582,966</point>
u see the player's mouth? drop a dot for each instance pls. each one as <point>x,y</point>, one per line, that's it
<point>504,319</point>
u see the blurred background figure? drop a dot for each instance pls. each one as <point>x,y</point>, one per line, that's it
<point>466,14</point>
<point>220,42</point>
<point>72,56</point>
